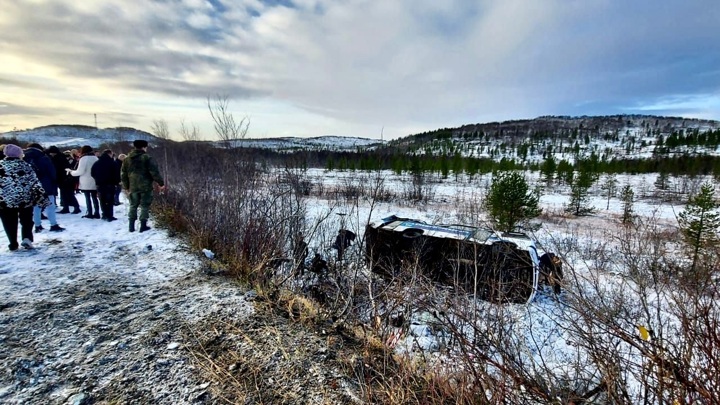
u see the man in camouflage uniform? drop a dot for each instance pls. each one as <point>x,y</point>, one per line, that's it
<point>138,172</point>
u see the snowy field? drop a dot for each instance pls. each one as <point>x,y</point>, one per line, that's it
<point>95,309</point>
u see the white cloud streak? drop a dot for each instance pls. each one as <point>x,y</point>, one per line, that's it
<point>353,66</point>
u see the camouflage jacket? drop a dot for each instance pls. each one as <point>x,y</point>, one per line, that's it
<point>139,171</point>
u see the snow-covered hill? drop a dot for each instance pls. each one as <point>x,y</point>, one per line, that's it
<point>77,135</point>
<point>66,136</point>
<point>328,142</point>
<point>570,138</point>
<point>524,141</point>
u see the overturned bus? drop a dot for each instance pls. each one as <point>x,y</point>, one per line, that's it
<point>496,266</point>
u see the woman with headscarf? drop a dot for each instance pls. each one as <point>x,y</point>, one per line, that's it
<point>20,191</point>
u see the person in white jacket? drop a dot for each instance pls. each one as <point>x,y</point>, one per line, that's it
<point>87,182</point>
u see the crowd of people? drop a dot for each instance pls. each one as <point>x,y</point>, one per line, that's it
<point>32,178</point>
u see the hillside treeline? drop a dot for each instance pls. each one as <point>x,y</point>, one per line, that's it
<point>445,165</point>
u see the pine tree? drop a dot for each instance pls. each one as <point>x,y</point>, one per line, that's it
<point>510,202</point>
<point>579,189</point>
<point>548,168</point>
<point>610,188</point>
<point>662,182</point>
<point>700,221</point>
<point>627,195</point>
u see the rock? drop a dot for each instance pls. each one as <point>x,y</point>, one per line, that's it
<point>173,346</point>
<point>203,386</point>
<point>78,399</point>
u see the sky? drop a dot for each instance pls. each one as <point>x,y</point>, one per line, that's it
<point>353,67</point>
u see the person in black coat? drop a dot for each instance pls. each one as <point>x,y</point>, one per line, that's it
<point>106,176</point>
<point>118,162</point>
<point>65,183</point>
<point>45,171</point>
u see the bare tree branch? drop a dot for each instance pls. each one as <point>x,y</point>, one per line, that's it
<point>227,129</point>
<point>189,133</point>
<point>160,129</point>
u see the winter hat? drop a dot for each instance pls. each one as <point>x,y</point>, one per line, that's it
<point>86,149</point>
<point>140,143</point>
<point>13,151</point>
<point>53,149</point>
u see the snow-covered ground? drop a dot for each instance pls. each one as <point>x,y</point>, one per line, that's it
<point>96,312</point>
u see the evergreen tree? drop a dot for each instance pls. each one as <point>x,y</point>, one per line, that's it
<point>662,182</point>
<point>609,186</point>
<point>548,168</point>
<point>627,196</point>
<point>579,189</point>
<point>510,202</point>
<point>700,221</point>
<point>565,171</point>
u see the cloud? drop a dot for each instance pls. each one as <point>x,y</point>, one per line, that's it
<point>27,84</point>
<point>362,65</point>
<point>11,109</point>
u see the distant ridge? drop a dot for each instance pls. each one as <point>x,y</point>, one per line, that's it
<point>67,136</point>
<point>568,125</point>
<point>630,135</point>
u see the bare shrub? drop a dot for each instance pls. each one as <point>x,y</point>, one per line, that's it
<point>160,129</point>
<point>351,188</point>
<point>375,188</point>
<point>470,210</point>
<point>419,188</point>
<point>298,180</point>
<point>189,133</point>
<point>217,192</point>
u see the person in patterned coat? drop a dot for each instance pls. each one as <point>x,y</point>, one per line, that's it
<point>20,191</point>
<point>138,172</point>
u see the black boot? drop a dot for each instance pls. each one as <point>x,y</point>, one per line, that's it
<point>132,225</point>
<point>143,226</point>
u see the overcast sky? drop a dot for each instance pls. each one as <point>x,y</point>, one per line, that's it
<point>354,67</point>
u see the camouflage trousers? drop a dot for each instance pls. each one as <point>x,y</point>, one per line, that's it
<point>142,200</point>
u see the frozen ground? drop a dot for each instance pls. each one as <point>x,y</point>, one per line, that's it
<point>96,314</point>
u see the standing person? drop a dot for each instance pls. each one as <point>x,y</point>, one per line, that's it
<point>45,171</point>
<point>106,176</point>
<point>66,182</point>
<point>60,164</point>
<point>20,192</point>
<point>118,187</point>
<point>87,182</point>
<point>75,155</point>
<point>138,172</point>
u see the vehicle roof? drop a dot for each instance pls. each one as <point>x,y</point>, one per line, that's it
<point>455,231</point>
